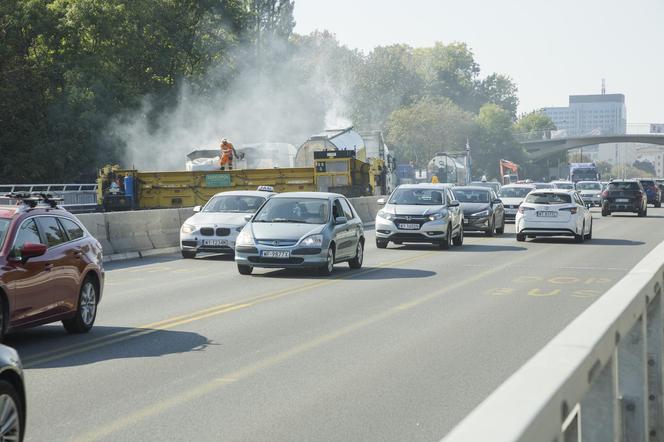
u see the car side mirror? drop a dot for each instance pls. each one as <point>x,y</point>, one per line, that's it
<point>381,201</point>
<point>248,217</point>
<point>453,203</point>
<point>497,201</point>
<point>197,209</point>
<point>29,250</point>
<point>340,220</point>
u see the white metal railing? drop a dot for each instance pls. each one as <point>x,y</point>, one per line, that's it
<point>78,197</point>
<point>600,379</point>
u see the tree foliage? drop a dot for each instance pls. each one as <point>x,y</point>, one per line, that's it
<point>71,68</point>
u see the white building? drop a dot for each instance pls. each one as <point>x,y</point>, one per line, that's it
<point>653,154</point>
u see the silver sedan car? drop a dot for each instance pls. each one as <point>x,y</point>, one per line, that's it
<point>302,229</point>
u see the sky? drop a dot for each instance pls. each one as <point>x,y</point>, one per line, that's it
<point>551,49</point>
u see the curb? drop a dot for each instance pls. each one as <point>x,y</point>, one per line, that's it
<point>141,254</point>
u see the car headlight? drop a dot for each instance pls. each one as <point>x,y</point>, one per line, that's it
<point>188,228</point>
<point>481,214</point>
<point>312,241</point>
<point>245,238</point>
<point>383,214</point>
<point>436,216</point>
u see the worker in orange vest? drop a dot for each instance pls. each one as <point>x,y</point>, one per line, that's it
<point>227,153</point>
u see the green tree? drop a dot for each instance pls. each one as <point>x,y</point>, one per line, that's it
<point>500,90</point>
<point>627,171</point>
<point>494,140</point>
<point>428,126</point>
<point>385,82</point>
<point>534,126</point>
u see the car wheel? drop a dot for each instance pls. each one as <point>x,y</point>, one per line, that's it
<point>658,204</point>
<point>605,210</point>
<point>86,311</point>
<point>500,230</point>
<point>458,240</point>
<point>520,237</point>
<point>444,244</point>
<point>579,238</point>
<point>492,227</point>
<point>12,418</point>
<point>642,212</point>
<point>381,243</point>
<point>244,269</point>
<point>356,262</point>
<point>328,267</point>
<point>188,255</point>
<point>589,236</point>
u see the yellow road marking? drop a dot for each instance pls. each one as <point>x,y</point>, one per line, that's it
<point>242,373</point>
<point>59,353</point>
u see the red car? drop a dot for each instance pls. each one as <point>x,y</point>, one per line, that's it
<point>50,267</point>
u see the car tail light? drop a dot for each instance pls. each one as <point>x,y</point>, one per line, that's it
<point>523,209</point>
<point>571,210</point>
<point>639,195</point>
<point>605,194</point>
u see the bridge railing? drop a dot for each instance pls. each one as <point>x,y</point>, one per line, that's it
<point>600,379</point>
<point>76,197</point>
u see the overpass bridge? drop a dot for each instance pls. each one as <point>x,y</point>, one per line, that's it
<point>543,144</point>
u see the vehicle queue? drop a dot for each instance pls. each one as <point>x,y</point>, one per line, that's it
<point>53,267</point>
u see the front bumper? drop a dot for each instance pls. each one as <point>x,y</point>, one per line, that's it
<point>429,232</point>
<point>195,242</point>
<point>594,200</point>
<point>476,224</point>
<point>298,256</point>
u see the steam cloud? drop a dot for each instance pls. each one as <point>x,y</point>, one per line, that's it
<point>288,102</point>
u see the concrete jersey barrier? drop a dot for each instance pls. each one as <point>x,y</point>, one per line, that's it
<point>133,234</point>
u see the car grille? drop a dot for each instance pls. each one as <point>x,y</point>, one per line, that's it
<point>411,219</point>
<point>416,237</point>
<point>511,206</point>
<point>207,231</point>
<point>223,231</point>
<point>279,242</point>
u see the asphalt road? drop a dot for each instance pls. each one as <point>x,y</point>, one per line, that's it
<point>400,350</point>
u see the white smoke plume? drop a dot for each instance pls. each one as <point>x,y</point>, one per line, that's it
<point>301,95</point>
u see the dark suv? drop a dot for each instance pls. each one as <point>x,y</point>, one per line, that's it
<point>653,192</point>
<point>50,267</point>
<point>624,196</point>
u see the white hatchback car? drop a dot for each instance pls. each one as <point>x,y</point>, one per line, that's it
<point>215,227</point>
<point>554,212</point>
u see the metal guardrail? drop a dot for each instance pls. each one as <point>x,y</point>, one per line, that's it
<point>76,197</point>
<point>599,380</point>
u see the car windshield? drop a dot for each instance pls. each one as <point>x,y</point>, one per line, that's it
<point>566,186</point>
<point>548,198</point>
<point>630,185</point>
<point>471,195</point>
<point>588,186</point>
<point>514,192</point>
<point>647,183</point>
<point>234,204</point>
<point>294,210</point>
<point>417,197</point>
<point>4,226</point>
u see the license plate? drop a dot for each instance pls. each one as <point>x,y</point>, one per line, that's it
<point>510,211</point>
<point>622,200</point>
<point>547,213</point>
<point>275,254</point>
<point>215,242</point>
<point>409,226</point>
